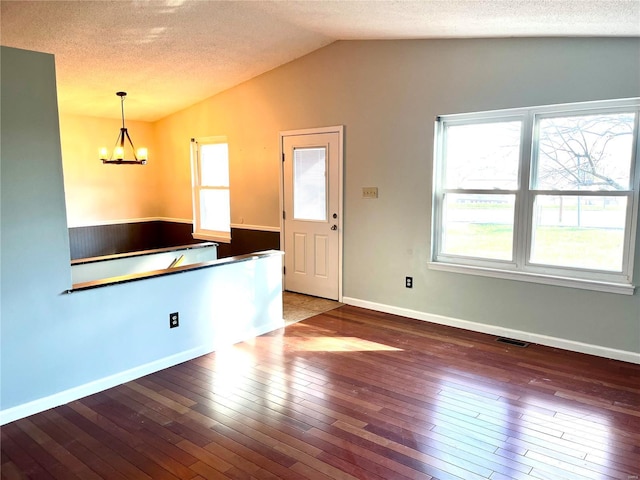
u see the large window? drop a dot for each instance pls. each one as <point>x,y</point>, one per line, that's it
<point>210,175</point>
<point>545,194</point>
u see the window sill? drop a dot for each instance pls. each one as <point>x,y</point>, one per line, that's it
<point>222,238</point>
<point>599,286</point>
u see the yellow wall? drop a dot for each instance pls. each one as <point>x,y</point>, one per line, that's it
<point>245,115</point>
<point>97,193</point>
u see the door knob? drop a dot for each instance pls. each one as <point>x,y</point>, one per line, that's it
<point>334,227</point>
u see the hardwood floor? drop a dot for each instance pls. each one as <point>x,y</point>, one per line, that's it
<point>347,394</point>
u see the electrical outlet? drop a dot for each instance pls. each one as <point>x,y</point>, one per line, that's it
<point>174,320</point>
<point>408,282</point>
<point>369,192</point>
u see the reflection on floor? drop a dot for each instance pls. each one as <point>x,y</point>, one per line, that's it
<point>297,307</point>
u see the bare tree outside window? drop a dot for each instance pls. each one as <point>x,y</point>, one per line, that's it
<point>589,152</point>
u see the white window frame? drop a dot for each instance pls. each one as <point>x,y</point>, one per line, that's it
<point>519,268</point>
<point>223,236</point>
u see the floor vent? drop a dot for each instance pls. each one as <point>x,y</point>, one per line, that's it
<point>510,341</point>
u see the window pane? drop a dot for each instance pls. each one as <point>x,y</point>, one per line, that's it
<point>482,156</point>
<point>586,152</point>
<point>214,165</point>
<point>310,184</point>
<point>478,226</point>
<point>215,210</point>
<point>579,232</point>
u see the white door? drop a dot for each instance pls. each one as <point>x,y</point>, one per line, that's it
<point>312,212</point>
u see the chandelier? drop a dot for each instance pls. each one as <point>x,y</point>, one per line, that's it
<point>118,154</point>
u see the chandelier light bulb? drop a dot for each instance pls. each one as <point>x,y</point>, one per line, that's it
<point>142,154</point>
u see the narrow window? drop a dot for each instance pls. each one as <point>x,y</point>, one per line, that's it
<point>211,200</point>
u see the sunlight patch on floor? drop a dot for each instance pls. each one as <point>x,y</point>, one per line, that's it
<point>340,344</point>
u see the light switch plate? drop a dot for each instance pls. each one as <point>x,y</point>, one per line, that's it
<point>369,192</point>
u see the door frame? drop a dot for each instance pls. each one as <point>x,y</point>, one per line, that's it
<point>339,129</point>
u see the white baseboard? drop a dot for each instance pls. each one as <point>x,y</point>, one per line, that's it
<point>76,393</point>
<point>572,345</point>
<point>51,401</point>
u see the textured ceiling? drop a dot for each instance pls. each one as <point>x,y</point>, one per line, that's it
<point>169,54</point>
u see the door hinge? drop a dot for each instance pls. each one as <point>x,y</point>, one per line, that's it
<point>284,270</point>
<point>283,156</point>
<point>284,215</point>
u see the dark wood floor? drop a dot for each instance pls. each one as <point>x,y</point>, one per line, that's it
<point>350,393</point>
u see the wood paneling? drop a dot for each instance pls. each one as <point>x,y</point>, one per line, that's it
<point>244,241</point>
<point>100,240</point>
<point>349,393</point>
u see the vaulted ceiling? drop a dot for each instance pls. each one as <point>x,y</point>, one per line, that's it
<point>169,54</point>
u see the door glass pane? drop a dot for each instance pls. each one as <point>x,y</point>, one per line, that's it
<point>482,156</point>
<point>579,232</point>
<point>479,226</point>
<point>214,210</point>
<point>310,184</point>
<point>585,152</point>
<point>214,165</point>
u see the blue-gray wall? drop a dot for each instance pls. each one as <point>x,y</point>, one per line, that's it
<point>392,92</point>
<point>56,347</point>
<point>387,94</point>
